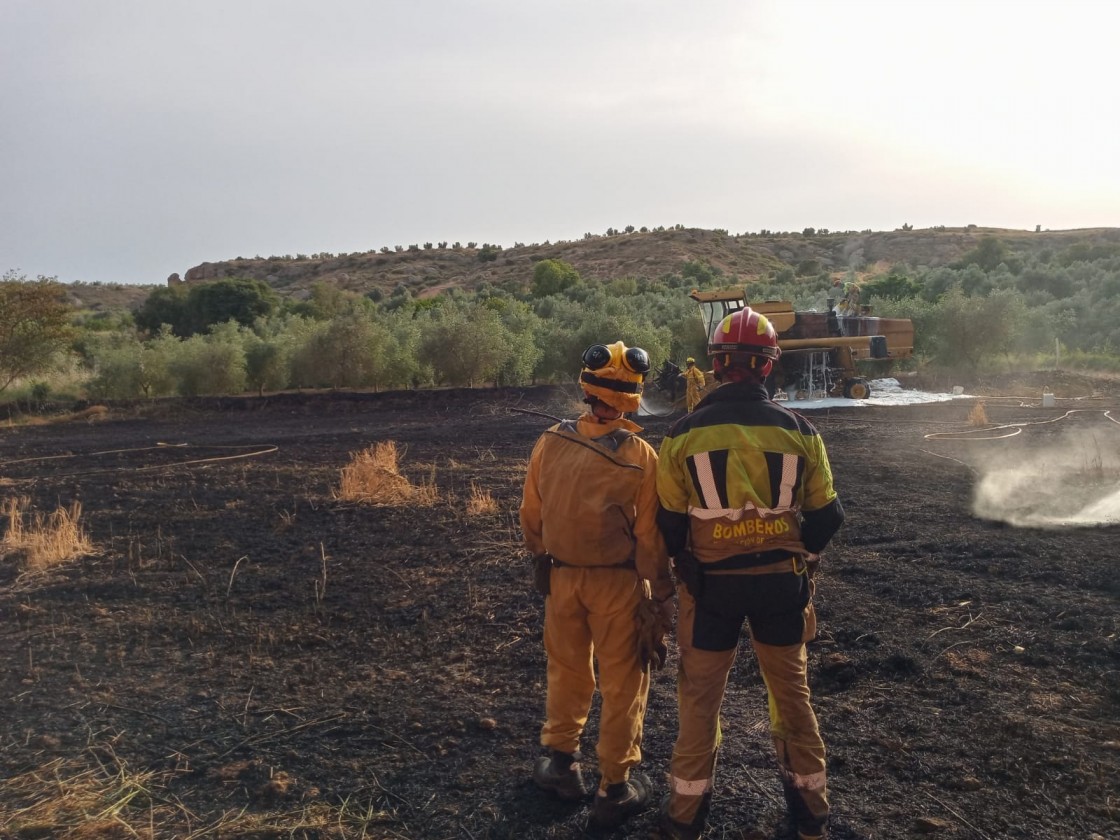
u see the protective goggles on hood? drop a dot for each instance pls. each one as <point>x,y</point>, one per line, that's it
<point>634,359</point>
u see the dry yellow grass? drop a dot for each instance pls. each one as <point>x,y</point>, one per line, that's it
<point>72,799</point>
<point>64,799</point>
<point>373,477</point>
<point>481,502</point>
<point>92,414</point>
<point>426,492</point>
<point>43,541</point>
<point>978,416</point>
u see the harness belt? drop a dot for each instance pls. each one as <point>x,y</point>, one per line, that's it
<point>628,563</point>
<point>749,561</point>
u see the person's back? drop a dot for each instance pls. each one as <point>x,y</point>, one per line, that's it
<point>747,504</point>
<point>588,515</point>
<point>590,472</point>
<point>767,464</point>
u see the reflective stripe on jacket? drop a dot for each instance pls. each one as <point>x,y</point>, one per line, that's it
<point>743,475</point>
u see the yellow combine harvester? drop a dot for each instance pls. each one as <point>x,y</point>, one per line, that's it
<point>820,350</point>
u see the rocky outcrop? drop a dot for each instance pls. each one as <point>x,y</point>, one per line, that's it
<point>203,271</point>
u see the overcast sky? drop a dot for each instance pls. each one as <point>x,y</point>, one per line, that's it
<point>142,137</point>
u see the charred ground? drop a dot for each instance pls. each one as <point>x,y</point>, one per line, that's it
<point>263,660</point>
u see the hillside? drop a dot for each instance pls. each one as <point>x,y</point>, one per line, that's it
<point>427,269</point>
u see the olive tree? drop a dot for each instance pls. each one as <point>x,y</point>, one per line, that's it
<point>34,325</point>
<point>464,343</point>
<point>213,364</point>
<point>551,277</point>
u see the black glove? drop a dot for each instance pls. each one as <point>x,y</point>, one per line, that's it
<point>542,574</point>
<point>689,572</point>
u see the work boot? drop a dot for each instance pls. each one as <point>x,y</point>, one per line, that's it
<point>618,802</point>
<point>673,830</point>
<point>559,773</point>
<point>809,829</point>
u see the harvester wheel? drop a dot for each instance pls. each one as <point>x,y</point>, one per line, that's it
<point>857,389</point>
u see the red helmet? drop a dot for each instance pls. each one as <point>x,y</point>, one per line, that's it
<point>745,339</point>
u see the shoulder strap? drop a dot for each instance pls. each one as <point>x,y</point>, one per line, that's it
<point>614,440</point>
<point>607,445</point>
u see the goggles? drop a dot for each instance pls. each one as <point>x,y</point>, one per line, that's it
<point>598,356</point>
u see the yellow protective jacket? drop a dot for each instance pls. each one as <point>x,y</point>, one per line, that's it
<point>694,379</point>
<point>743,479</point>
<point>590,499</point>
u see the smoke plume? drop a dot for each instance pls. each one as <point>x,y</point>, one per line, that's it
<point>1072,483</point>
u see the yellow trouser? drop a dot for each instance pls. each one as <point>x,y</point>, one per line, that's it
<point>591,614</point>
<point>701,683</point>
<point>692,396</point>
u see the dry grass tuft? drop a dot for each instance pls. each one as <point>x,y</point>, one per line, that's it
<point>373,477</point>
<point>74,799</point>
<point>481,503</point>
<point>978,416</point>
<point>65,799</point>
<point>427,493</point>
<point>91,414</point>
<point>43,541</point>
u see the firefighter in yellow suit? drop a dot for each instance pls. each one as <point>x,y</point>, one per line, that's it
<point>747,505</point>
<point>694,383</point>
<point>848,304</point>
<point>589,518</point>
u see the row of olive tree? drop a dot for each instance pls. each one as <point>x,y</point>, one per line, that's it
<point>339,339</point>
<point>467,340</point>
<point>1018,304</point>
<point>236,335</point>
<point>359,349</point>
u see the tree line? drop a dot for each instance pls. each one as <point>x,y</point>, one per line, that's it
<point>236,335</point>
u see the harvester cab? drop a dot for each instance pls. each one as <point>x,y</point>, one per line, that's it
<point>823,353</point>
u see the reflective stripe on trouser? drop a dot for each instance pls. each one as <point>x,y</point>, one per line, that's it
<point>591,613</point>
<point>702,681</point>
<point>797,740</point>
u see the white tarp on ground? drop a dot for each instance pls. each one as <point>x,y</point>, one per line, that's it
<point>883,392</point>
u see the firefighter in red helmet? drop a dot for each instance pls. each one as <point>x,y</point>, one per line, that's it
<point>747,505</point>
<point>589,519</point>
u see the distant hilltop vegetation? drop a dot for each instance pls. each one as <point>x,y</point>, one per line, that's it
<point>425,269</point>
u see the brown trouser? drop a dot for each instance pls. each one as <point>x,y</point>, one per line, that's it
<point>779,612</point>
<point>591,615</point>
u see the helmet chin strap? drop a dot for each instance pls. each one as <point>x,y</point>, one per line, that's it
<point>603,412</point>
<point>728,371</point>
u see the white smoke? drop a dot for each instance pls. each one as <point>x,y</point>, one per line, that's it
<point>656,404</point>
<point>1072,483</point>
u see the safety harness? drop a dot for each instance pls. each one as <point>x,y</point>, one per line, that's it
<point>607,446</point>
